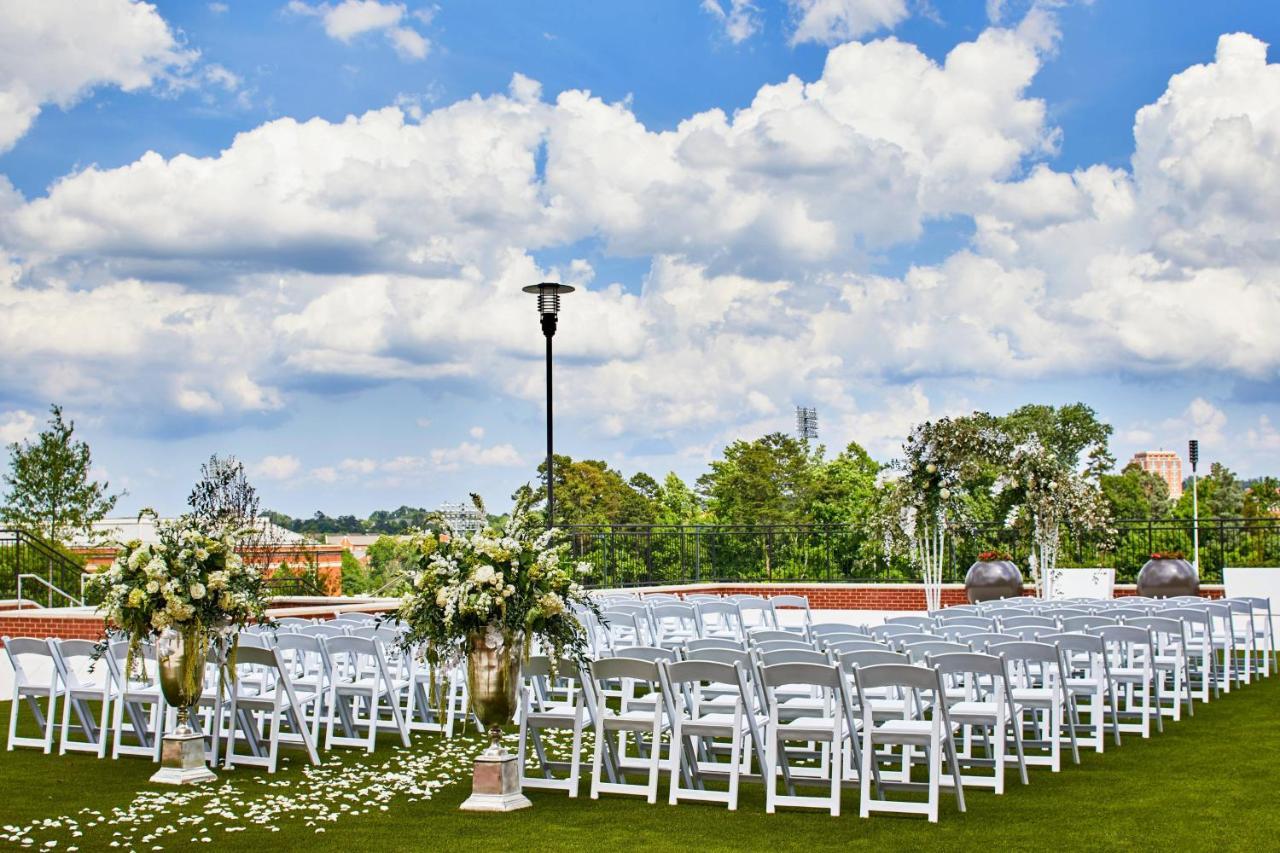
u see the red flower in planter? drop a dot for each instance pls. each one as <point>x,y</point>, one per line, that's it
<point>994,556</point>
<point>1168,555</point>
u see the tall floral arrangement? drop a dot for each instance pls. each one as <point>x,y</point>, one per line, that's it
<point>515,578</point>
<point>1048,494</point>
<point>931,494</point>
<point>191,579</point>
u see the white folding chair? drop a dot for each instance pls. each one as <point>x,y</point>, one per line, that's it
<point>700,726</point>
<point>833,728</point>
<point>637,718</point>
<point>1172,668</point>
<point>84,680</point>
<point>1088,678</point>
<point>541,712</point>
<point>361,676</point>
<point>792,602</point>
<point>30,685</point>
<point>1039,677</point>
<point>1131,652</point>
<point>310,671</point>
<point>261,715</point>
<point>139,698</point>
<point>934,735</point>
<point>984,709</point>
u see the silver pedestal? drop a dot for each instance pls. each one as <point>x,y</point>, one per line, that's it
<point>182,761</point>
<point>495,785</point>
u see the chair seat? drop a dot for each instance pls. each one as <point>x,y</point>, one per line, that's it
<point>1039,697</point>
<point>1129,673</point>
<point>719,724</point>
<point>810,728</point>
<point>968,711</point>
<point>903,731</point>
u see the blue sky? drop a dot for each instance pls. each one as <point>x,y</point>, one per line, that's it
<point>954,206</point>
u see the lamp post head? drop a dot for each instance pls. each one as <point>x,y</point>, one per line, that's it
<point>548,293</point>
<point>1193,452</point>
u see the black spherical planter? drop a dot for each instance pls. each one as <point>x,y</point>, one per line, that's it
<point>992,579</point>
<point>1168,578</point>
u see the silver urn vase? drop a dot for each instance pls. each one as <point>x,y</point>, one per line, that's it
<point>494,656</point>
<point>180,657</point>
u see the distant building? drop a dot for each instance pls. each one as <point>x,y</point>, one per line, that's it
<point>288,548</point>
<point>1165,464</point>
<point>357,543</point>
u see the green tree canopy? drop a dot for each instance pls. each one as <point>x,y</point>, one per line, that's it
<point>1221,495</point>
<point>49,488</point>
<point>1134,493</point>
<point>766,481</point>
<point>1072,433</point>
<point>588,491</point>
<point>845,489</point>
<point>1262,497</point>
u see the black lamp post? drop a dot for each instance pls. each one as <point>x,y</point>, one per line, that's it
<point>549,308</point>
<point>1193,453</point>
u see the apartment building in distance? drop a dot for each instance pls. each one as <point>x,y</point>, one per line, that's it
<point>1165,464</point>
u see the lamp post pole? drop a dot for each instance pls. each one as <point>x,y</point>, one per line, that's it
<point>1193,453</point>
<point>548,294</point>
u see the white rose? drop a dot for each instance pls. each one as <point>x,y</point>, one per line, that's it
<point>442,597</point>
<point>484,574</point>
<point>197,591</point>
<point>153,587</point>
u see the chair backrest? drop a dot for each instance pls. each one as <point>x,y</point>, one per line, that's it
<point>254,641</point>
<point>720,655</point>
<point>794,602</point>
<point>326,630</point>
<point>768,635</point>
<point>713,643</point>
<point>659,597</point>
<point>916,621</point>
<point>902,675</point>
<point>882,631</point>
<point>293,620</point>
<point>1084,623</point>
<point>702,672</point>
<point>1190,615</point>
<point>355,617</point>
<point>982,641</point>
<point>975,621</point>
<point>956,611</point>
<point>1027,622</point>
<point>808,674</point>
<point>1075,642</point>
<point>699,598</point>
<point>959,632</point>
<point>778,645</point>
<point>1126,634</point>
<point>793,656</point>
<point>756,610</point>
<point>607,669</point>
<point>1024,650</point>
<point>649,653</point>
<point>1170,629</point>
<point>871,657</point>
<point>950,663</point>
<point>917,637</point>
<point>820,629</point>
<point>19,647</point>
<point>919,651</point>
<point>859,644</point>
<point>67,654</point>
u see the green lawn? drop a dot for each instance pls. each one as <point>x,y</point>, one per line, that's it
<point>1207,783</point>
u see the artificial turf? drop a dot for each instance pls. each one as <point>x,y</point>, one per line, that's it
<point>1208,782</point>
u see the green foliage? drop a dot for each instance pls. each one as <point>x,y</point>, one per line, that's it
<point>588,491</point>
<point>1134,493</point>
<point>1072,433</point>
<point>50,492</point>
<point>1262,498</point>
<point>766,481</point>
<point>1221,495</point>
<point>355,577</point>
<point>677,503</point>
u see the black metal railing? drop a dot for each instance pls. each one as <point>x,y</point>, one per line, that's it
<point>641,555</point>
<point>21,554</point>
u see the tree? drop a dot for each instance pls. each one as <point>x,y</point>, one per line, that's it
<point>677,503</point>
<point>224,496</point>
<point>1220,495</point>
<point>1262,498</point>
<point>844,489</point>
<point>588,491</point>
<point>766,481</point>
<point>49,489</point>
<point>1072,433</point>
<point>1135,493</point>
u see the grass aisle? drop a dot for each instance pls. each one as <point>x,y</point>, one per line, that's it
<point>1207,784</point>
